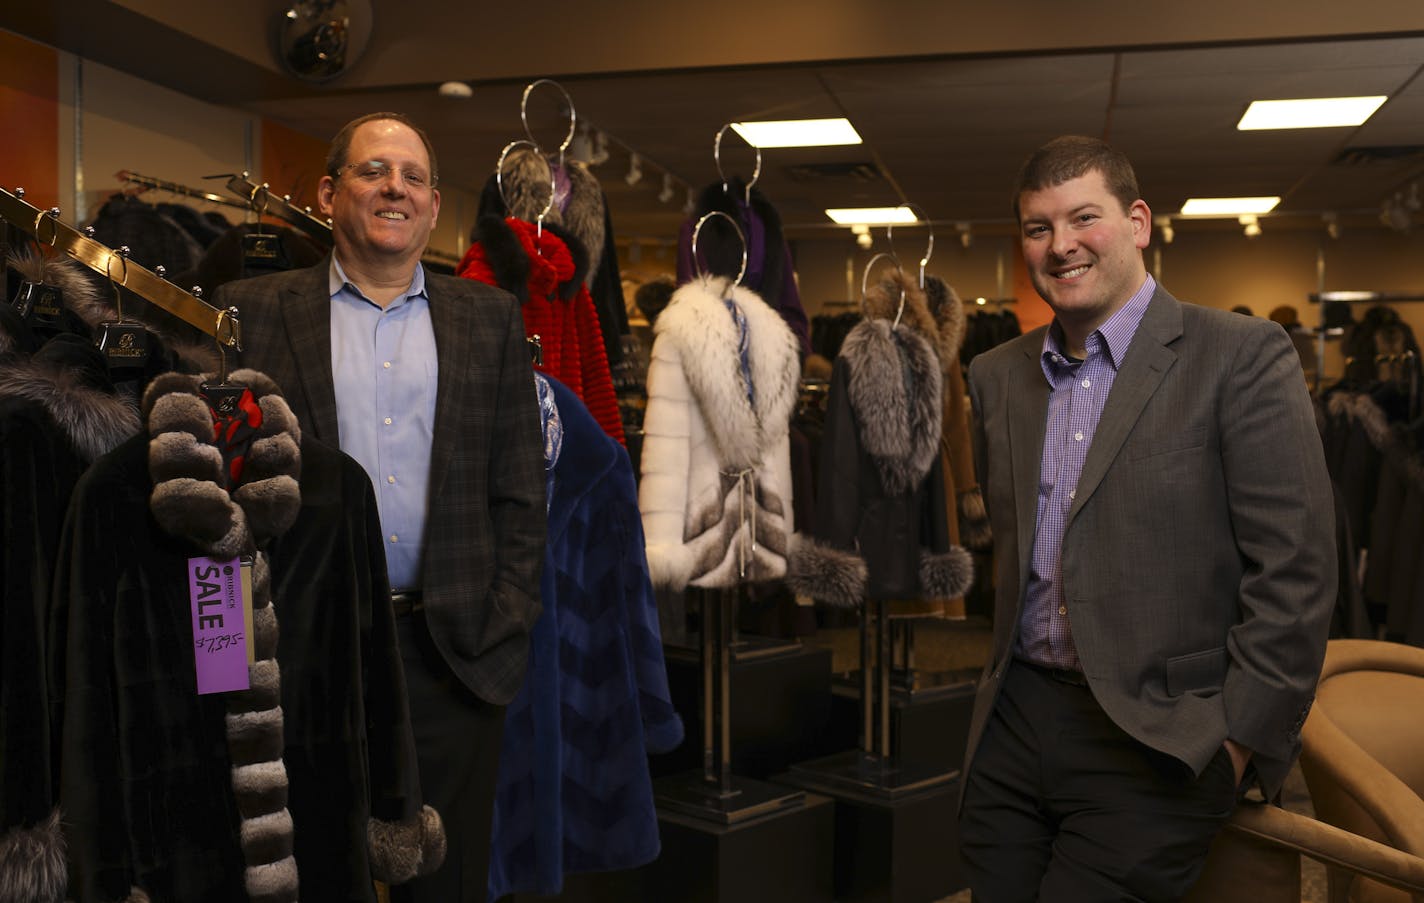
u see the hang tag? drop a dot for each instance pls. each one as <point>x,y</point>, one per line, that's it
<point>125,345</point>
<point>39,304</point>
<point>247,609</point>
<point>261,247</point>
<point>220,617</point>
<point>222,398</point>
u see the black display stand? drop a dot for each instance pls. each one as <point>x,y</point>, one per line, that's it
<point>896,838</point>
<point>780,707</point>
<point>713,793</point>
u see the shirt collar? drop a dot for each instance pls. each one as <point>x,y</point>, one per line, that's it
<point>336,281</point>
<point>1114,335</point>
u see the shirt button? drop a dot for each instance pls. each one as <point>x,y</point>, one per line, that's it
<point>1078,436</point>
<point>394,538</point>
<point>1063,609</point>
<point>387,365</point>
<point>388,421</point>
<point>1072,494</point>
<point>1087,383</point>
<point>390,479</point>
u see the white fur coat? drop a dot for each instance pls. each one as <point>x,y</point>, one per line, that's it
<point>715,492</point>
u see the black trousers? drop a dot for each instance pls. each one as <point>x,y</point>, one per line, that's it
<point>457,741</point>
<point>1061,804</point>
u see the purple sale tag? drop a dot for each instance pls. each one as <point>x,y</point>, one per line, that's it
<point>219,643</point>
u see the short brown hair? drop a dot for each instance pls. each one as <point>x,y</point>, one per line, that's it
<point>341,144</point>
<point>1070,156</point>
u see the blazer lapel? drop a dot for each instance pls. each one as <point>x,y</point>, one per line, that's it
<point>1027,425</point>
<point>1147,362</point>
<point>453,320</point>
<point>306,310</point>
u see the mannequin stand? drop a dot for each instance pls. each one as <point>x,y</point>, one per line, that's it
<point>714,793</point>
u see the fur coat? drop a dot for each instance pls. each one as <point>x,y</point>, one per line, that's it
<point>305,779</point>
<point>715,493</point>
<point>580,209</point>
<point>881,530</point>
<point>544,269</point>
<point>575,793</point>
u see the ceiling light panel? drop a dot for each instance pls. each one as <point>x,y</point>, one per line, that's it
<point>1228,206</point>
<point>1309,113</point>
<point>797,132</point>
<point>872,216</point>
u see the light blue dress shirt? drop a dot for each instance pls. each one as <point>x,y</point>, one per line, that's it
<point>384,369</point>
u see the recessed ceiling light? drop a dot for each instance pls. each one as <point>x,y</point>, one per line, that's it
<point>871,216</point>
<point>797,132</point>
<point>1228,206</point>
<point>1309,112</point>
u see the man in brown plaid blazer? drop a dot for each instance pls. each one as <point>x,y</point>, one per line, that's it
<point>425,379</point>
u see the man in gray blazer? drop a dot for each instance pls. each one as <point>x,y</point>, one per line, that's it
<point>1164,556</point>
<point>426,380</point>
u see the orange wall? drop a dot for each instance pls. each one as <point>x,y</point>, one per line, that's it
<point>29,119</point>
<point>292,163</point>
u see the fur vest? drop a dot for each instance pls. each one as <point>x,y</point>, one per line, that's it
<point>715,493</point>
<point>179,796</point>
<point>880,529</point>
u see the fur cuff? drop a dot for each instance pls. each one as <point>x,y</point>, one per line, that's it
<point>32,863</point>
<point>946,576</point>
<point>669,566</point>
<point>974,527</point>
<point>274,882</point>
<point>136,895</point>
<point>827,574</point>
<point>402,850</point>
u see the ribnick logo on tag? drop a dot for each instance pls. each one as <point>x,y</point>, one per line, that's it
<point>35,299</point>
<point>124,343</point>
<point>257,246</point>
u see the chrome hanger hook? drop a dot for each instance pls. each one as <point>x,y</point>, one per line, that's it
<point>499,182</point>
<point>123,256</point>
<point>697,230</point>
<point>865,284</point>
<point>923,217</point>
<point>524,114</point>
<point>717,158</point>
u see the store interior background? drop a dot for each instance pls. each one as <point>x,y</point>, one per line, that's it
<point>949,97</point>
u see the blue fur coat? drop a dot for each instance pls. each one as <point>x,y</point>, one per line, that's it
<point>574,792</point>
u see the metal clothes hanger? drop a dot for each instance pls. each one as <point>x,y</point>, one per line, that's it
<point>865,283</point>
<point>499,182</point>
<point>524,115</point>
<point>697,261</point>
<point>717,158</point>
<point>929,250</point>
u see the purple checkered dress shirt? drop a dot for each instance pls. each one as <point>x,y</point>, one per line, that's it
<point>1078,392</point>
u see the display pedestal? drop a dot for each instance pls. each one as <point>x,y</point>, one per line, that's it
<point>896,832</point>
<point>929,715</point>
<point>780,696</point>
<point>900,848</point>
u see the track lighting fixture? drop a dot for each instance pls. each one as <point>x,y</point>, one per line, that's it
<point>1251,227</point>
<point>1164,229</point>
<point>635,170</point>
<point>966,234</point>
<point>665,196</point>
<point>1332,224</point>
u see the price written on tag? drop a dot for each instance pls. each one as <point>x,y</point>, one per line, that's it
<point>215,589</point>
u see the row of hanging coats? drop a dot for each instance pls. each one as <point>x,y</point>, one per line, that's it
<point>116,777</point>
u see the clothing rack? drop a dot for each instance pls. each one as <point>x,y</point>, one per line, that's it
<point>261,200</point>
<point>133,178</point>
<point>1349,297</point>
<point>45,227</point>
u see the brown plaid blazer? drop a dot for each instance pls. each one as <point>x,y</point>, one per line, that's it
<point>484,536</point>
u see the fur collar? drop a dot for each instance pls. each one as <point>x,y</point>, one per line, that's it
<point>526,185</point>
<point>948,312</point>
<point>525,261</point>
<point>719,248</point>
<point>895,388</point>
<point>882,302</point>
<point>698,321</point>
<point>90,415</point>
<point>192,498</point>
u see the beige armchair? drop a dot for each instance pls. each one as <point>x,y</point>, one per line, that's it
<point>1363,757</point>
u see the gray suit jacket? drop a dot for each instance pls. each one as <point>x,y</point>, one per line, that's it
<point>1198,560</point>
<point>484,536</point>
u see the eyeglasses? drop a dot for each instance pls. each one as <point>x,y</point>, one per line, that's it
<point>374,172</point>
